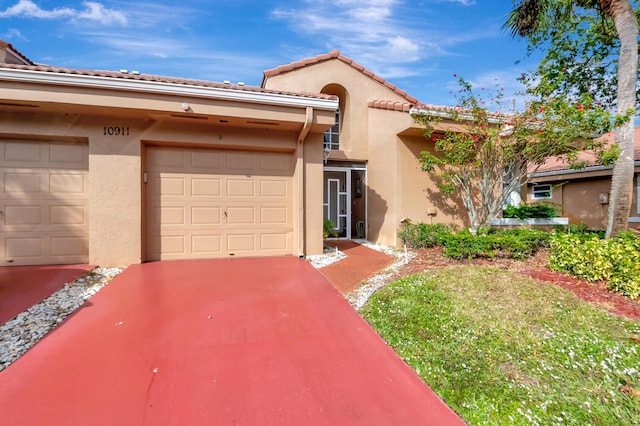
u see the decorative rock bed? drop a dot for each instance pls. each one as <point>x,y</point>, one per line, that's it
<point>22,332</point>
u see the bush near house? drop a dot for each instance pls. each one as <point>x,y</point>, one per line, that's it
<point>589,257</point>
<point>487,243</point>
<point>531,211</point>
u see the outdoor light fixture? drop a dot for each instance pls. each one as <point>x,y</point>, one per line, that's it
<point>325,153</point>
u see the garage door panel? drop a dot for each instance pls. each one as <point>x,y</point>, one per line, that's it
<point>274,216</point>
<point>208,244</point>
<point>274,188</point>
<point>206,187</point>
<point>67,183</point>
<point>240,188</point>
<point>68,215</point>
<point>68,246</point>
<point>208,215</point>
<point>240,206</point>
<point>206,160</point>
<point>275,241</point>
<point>44,202</point>
<point>20,152</point>
<point>25,182</point>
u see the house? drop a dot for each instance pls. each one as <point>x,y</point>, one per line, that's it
<point>583,194</point>
<point>114,168</point>
<point>372,180</point>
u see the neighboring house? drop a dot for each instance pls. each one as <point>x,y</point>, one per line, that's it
<point>372,179</point>
<point>114,168</point>
<point>583,194</point>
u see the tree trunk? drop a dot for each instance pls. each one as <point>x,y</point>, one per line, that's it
<point>622,180</point>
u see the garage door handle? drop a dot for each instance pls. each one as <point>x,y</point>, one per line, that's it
<point>225,214</point>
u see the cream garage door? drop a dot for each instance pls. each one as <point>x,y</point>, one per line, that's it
<point>43,203</point>
<point>206,203</point>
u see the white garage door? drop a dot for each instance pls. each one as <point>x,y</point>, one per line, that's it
<point>43,203</point>
<point>204,203</point>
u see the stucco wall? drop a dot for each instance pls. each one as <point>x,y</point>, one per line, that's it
<point>359,90</point>
<point>421,200</point>
<point>580,198</point>
<point>116,166</point>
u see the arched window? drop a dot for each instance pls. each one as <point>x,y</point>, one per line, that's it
<point>332,136</point>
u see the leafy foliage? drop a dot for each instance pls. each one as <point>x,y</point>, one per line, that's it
<point>483,153</point>
<point>328,229</point>
<point>581,55</point>
<point>591,258</point>
<point>422,235</point>
<point>488,243</point>
<point>534,210</point>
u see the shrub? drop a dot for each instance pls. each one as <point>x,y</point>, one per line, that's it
<point>592,258</point>
<point>328,230</point>
<point>511,243</point>
<point>527,211</point>
<point>422,235</point>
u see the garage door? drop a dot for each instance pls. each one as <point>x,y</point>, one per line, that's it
<point>43,203</point>
<point>214,203</point>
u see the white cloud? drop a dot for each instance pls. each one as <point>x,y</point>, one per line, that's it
<point>13,34</point>
<point>92,11</point>
<point>462,2</point>
<point>97,12</point>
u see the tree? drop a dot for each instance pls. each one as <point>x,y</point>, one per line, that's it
<point>487,153</point>
<point>581,38</point>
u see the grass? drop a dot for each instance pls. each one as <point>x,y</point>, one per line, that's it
<point>501,348</point>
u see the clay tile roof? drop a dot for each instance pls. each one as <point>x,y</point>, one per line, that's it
<point>9,47</point>
<point>161,79</point>
<point>556,164</point>
<point>335,54</point>
<point>391,105</point>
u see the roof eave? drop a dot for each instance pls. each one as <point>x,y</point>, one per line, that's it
<point>164,88</point>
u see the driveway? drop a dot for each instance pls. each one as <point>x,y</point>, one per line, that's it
<point>256,341</point>
<point>22,286</point>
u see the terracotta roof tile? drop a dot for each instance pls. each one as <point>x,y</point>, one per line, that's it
<point>8,46</point>
<point>160,79</point>
<point>335,54</point>
<point>391,105</point>
<point>555,164</point>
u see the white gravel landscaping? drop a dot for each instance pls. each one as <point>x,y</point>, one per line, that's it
<point>19,334</point>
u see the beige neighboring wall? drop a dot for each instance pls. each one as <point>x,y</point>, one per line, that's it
<point>579,193</point>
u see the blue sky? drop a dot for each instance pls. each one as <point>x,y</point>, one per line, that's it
<point>416,45</point>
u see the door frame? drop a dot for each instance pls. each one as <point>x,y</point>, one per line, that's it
<point>349,182</point>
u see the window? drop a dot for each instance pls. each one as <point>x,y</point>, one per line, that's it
<point>541,192</point>
<point>332,136</point>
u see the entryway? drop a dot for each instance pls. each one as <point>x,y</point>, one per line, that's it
<point>345,199</point>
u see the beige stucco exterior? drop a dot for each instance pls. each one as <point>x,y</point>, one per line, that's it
<point>117,120</point>
<point>376,129</point>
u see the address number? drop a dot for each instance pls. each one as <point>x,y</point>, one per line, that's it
<point>116,131</point>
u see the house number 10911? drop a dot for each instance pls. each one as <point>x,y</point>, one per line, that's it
<point>116,131</point>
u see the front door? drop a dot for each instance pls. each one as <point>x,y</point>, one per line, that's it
<point>344,201</point>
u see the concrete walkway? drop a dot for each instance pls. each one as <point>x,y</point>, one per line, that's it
<point>263,341</point>
<point>361,263</point>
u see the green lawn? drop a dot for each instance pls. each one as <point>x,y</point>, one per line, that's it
<point>504,349</point>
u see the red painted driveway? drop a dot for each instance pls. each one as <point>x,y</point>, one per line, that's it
<point>23,286</point>
<point>227,342</point>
